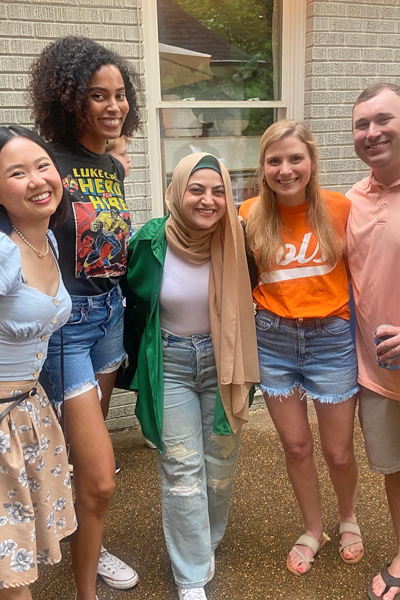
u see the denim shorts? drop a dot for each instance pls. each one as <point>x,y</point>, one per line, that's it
<point>92,343</point>
<point>316,356</point>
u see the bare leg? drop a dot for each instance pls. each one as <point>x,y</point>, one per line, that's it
<point>94,466</point>
<point>392,482</point>
<point>21,593</point>
<point>336,426</point>
<point>291,421</point>
<point>106,383</point>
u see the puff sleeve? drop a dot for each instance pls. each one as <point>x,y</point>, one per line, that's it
<point>10,265</point>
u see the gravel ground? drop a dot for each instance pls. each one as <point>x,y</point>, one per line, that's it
<point>264,524</point>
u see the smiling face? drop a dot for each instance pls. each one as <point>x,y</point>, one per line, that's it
<point>376,130</point>
<point>30,186</point>
<point>287,169</point>
<point>204,200</point>
<point>106,109</point>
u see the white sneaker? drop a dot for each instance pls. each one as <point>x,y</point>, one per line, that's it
<point>211,572</point>
<point>115,572</point>
<point>192,594</point>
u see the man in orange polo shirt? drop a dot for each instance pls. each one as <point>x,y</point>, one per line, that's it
<point>373,246</point>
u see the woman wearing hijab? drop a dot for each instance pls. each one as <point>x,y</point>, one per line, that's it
<point>189,304</point>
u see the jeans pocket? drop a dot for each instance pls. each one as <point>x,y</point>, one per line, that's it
<point>263,323</point>
<point>78,315</point>
<point>337,327</point>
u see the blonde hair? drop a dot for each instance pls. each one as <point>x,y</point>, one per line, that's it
<point>264,224</point>
<point>111,143</point>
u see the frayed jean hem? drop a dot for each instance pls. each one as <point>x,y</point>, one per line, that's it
<point>332,398</point>
<point>305,394</point>
<point>283,393</point>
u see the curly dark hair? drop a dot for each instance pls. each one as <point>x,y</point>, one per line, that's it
<point>59,87</point>
<point>64,208</point>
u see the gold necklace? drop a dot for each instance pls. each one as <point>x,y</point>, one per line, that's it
<point>40,254</point>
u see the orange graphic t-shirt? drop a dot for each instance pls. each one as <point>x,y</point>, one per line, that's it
<point>303,283</point>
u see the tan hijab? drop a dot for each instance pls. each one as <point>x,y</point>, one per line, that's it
<point>230,298</point>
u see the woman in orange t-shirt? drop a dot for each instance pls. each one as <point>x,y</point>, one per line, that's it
<point>296,231</point>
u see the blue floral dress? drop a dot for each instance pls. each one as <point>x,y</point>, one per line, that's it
<point>36,508</point>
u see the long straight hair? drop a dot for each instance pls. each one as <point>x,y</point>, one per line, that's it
<point>264,225</point>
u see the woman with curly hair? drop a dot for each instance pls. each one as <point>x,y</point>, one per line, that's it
<point>305,348</point>
<point>82,96</point>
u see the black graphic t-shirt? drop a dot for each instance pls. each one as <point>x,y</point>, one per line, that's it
<point>93,241</point>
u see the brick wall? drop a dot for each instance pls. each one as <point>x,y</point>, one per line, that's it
<point>26,26</point>
<point>349,45</point>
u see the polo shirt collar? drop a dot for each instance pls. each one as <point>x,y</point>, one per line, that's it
<point>371,181</point>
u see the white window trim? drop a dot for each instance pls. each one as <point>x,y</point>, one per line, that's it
<point>291,105</point>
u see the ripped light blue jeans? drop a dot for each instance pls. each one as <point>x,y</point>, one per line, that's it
<point>197,467</point>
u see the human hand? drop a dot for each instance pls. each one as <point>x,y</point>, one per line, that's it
<point>388,349</point>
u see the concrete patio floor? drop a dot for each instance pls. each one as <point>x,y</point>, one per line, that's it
<point>264,524</point>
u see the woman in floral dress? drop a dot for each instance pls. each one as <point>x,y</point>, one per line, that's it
<point>36,509</point>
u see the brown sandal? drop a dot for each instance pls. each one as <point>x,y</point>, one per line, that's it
<point>309,542</point>
<point>346,527</point>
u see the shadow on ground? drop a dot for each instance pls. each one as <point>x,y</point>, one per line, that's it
<point>264,524</point>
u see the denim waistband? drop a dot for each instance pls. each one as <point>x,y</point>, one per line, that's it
<point>300,322</point>
<point>95,301</point>
<point>190,341</point>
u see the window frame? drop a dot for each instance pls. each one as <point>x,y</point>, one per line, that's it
<point>290,106</point>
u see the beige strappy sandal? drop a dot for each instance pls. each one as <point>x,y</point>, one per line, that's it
<point>353,528</point>
<point>309,542</point>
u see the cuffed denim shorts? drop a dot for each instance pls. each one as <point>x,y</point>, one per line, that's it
<point>92,344</point>
<point>316,356</point>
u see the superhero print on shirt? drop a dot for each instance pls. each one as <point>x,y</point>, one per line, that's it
<point>102,223</point>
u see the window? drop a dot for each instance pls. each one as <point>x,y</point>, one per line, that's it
<point>218,74</point>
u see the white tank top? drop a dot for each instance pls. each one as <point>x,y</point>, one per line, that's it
<point>184,309</point>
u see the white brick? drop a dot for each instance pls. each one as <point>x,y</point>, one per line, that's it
<point>12,29</point>
<point>98,32</point>
<point>361,68</point>
<point>328,68</point>
<point>344,54</point>
<point>8,116</point>
<point>13,82</point>
<point>390,13</point>
<point>329,152</point>
<point>377,26</point>
<point>16,99</point>
<point>388,41</point>
<point>356,9</point>
<point>339,139</point>
<point>377,54</point>
<point>347,25</point>
<point>365,40</point>
<point>329,39</point>
<point>15,64</point>
<point>321,24</point>
<point>333,9</point>
<point>339,110</point>
<point>389,69</point>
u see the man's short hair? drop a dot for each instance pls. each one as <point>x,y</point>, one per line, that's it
<point>374,89</point>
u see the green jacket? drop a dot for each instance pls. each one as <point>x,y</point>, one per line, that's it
<point>142,336</point>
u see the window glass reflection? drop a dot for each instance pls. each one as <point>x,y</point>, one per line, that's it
<point>225,50</point>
